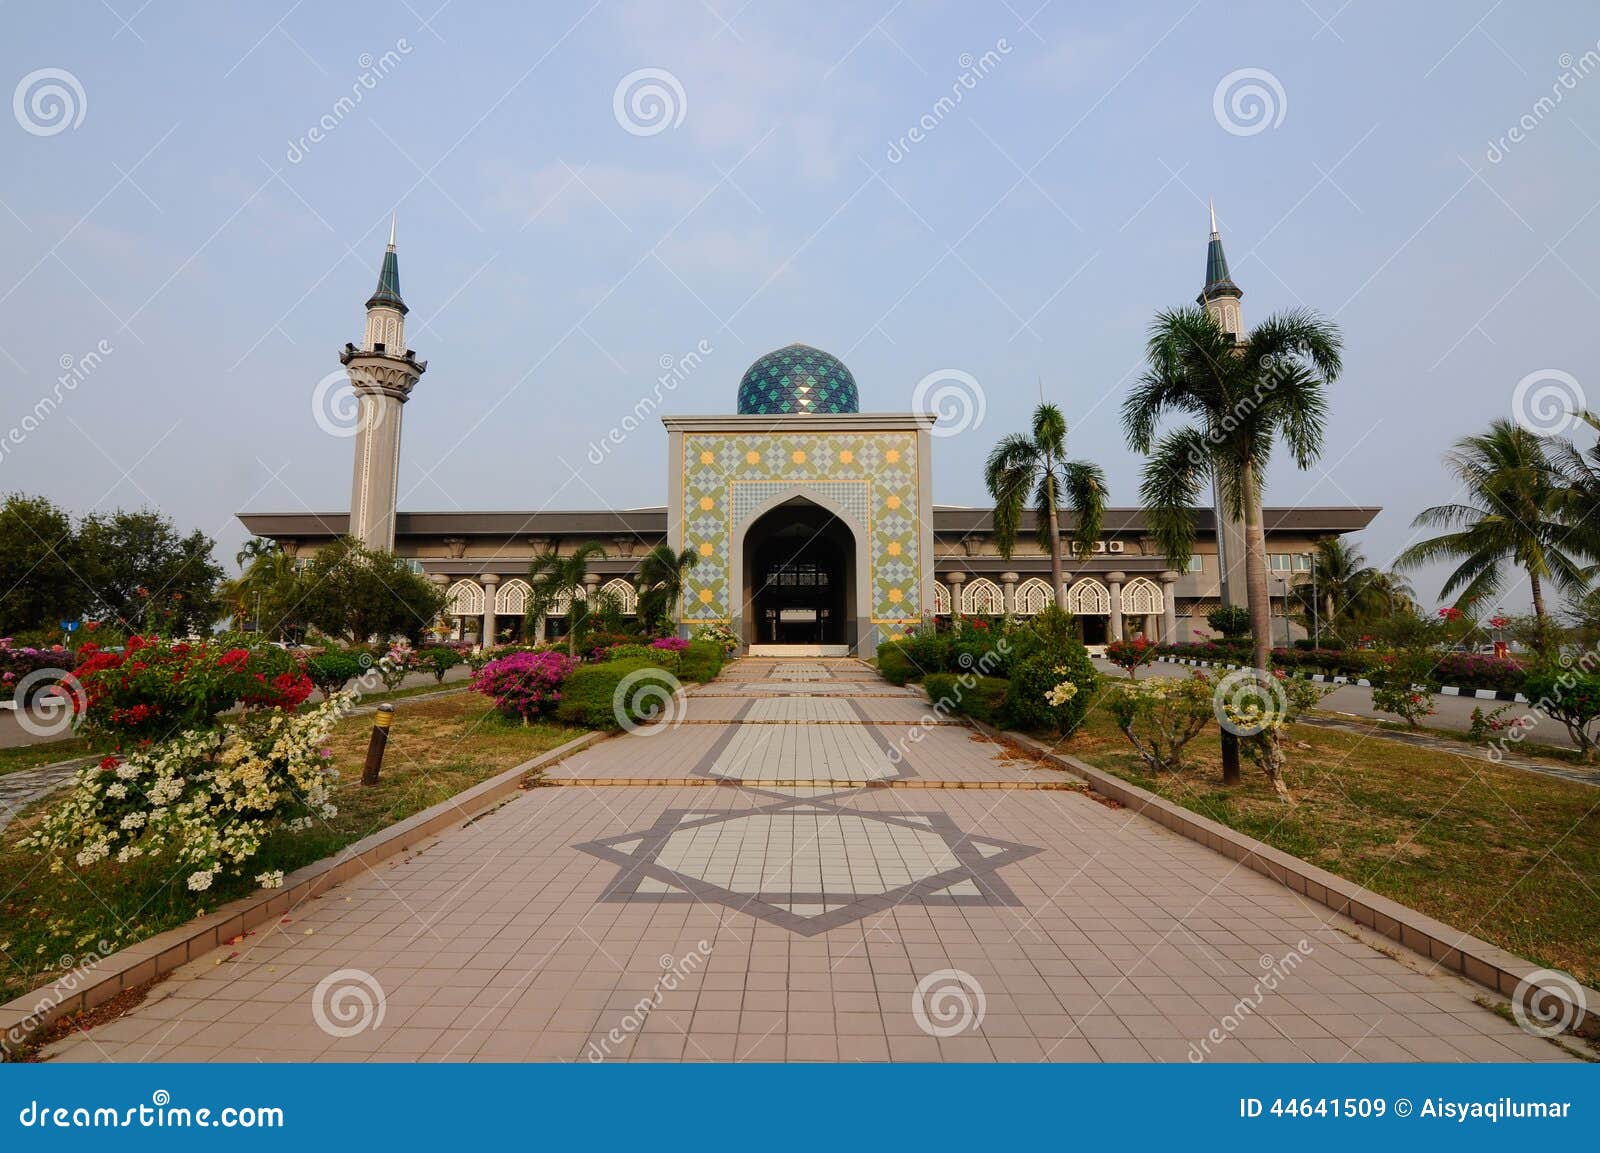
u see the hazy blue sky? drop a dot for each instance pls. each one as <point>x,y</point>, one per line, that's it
<point>552,258</point>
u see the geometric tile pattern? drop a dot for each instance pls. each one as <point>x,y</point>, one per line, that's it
<point>871,476</point>
<point>797,378</point>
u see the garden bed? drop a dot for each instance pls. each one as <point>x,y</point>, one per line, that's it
<point>437,748</point>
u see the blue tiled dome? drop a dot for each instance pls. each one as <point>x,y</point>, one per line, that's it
<point>797,379</point>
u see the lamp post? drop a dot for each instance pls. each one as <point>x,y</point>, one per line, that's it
<point>1316,603</point>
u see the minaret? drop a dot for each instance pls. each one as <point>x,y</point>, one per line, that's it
<point>383,371</point>
<point>1220,298</point>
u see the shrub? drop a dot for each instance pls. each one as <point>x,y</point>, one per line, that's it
<point>524,685</point>
<point>589,697</point>
<point>1232,621</point>
<point>894,665</point>
<point>669,644</point>
<point>1405,684</point>
<point>928,650</point>
<point>153,689</point>
<point>439,660</point>
<point>206,798</point>
<point>1052,678</point>
<point>701,661</point>
<point>667,660</point>
<point>969,694</point>
<point>1131,654</point>
<point>984,653</point>
<point>1572,697</point>
<point>19,664</point>
<point>1160,715</point>
<point>719,635</point>
<point>330,671</point>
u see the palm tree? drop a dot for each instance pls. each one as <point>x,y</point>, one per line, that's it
<point>661,576</point>
<point>1037,464</point>
<point>253,550</point>
<point>556,576</point>
<point>1242,396</point>
<point>264,571</point>
<point>1517,513</point>
<point>1344,590</point>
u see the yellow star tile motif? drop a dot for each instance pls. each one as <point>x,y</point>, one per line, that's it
<point>893,502</point>
<point>798,457</point>
<point>707,548</point>
<point>705,596</point>
<point>752,457</point>
<point>847,457</point>
<point>892,456</point>
<point>707,504</point>
<point>895,595</point>
<point>892,548</point>
<point>706,458</point>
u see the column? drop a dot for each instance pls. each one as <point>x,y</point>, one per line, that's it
<point>1008,583</point>
<point>955,578</point>
<point>490,582</point>
<point>1169,607</point>
<point>1114,583</point>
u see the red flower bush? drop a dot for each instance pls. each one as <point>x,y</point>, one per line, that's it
<point>525,685</point>
<point>154,689</point>
<point>1130,654</point>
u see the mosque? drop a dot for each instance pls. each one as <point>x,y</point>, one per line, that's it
<point>814,522</point>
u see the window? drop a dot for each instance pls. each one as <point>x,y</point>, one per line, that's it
<point>1196,564</point>
<point>1302,562</point>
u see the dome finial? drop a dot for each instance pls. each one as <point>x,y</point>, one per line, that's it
<point>395,213</point>
<point>1213,205</point>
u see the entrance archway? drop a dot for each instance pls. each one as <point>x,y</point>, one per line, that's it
<point>799,570</point>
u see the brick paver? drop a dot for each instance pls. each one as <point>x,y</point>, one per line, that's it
<point>753,921</point>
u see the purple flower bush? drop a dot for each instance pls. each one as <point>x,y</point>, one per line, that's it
<point>524,685</point>
<point>670,644</point>
<point>17,663</point>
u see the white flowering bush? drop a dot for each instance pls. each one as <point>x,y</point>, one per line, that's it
<point>718,634</point>
<point>1160,715</point>
<point>206,799</point>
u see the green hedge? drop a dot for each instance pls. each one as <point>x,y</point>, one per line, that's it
<point>701,661</point>
<point>895,665</point>
<point>588,694</point>
<point>982,698</point>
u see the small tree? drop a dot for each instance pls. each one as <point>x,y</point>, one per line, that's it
<point>360,595</point>
<point>1131,654</point>
<point>1160,715</point>
<point>1571,696</point>
<point>1232,621</point>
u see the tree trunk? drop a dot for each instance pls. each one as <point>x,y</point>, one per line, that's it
<point>1255,571</point>
<point>1056,577</point>
<point>1538,596</point>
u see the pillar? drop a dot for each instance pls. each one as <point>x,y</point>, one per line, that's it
<point>1114,583</point>
<point>1169,607</point>
<point>1008,584</point>
<point>955,578</point>
<point>490,582</point>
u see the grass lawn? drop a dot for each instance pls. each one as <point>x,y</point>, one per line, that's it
<point>436,749</point>
<point>1506,855</point>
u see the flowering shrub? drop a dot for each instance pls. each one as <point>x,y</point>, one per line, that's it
<point>439,660</point>
<point>1160,715</point>
<point>1482,671</point>
<point>207,798</point>
<point>670,644</point>
<point>525,685</point>
<point>719,634</point>
<point>1051,678</point>
<point>1405,684</point>
<point>395,665</point>
<point>16,665</point>
<point>1131,654</point>
<point>154,688</point>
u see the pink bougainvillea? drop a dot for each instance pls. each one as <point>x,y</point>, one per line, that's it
<point>525,685</point>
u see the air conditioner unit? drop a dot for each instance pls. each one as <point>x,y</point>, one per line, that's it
<point>1114,546</point>
<point>1099,546</point>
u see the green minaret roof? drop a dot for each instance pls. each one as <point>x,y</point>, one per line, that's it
<point>388,290</point>
<point>1218,282</point>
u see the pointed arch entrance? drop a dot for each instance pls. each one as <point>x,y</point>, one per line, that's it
<point>799,564</point>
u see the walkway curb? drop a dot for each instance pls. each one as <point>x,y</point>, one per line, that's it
<point>1446,947</point>
<point>1361,682</point>
<point>24,1018</point>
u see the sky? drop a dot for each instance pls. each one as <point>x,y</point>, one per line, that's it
<point>966,201</point>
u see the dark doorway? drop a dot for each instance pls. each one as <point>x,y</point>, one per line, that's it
<point>799,572</point>
<point>1094,629</point>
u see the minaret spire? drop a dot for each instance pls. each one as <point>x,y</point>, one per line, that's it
<point>393,214</point>
<point>382,372</point>
<point>1220,297</point>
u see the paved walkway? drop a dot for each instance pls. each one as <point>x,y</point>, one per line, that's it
<point>793,868</point>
